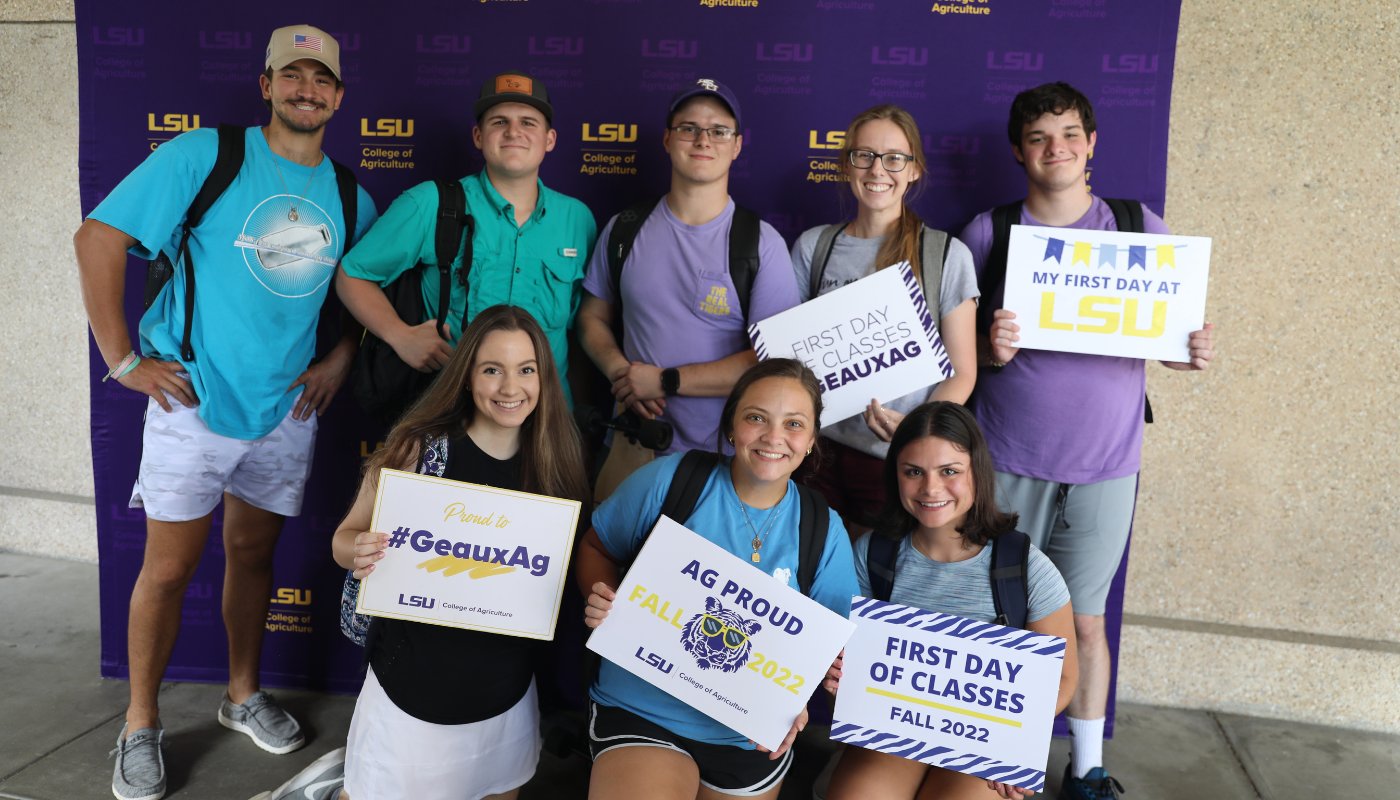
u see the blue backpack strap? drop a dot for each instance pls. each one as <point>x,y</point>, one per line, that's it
<point>879,565</point>
<point>812,528</point>
<point>1011,551</point>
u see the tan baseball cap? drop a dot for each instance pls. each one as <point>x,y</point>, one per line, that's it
<point>296,42</point>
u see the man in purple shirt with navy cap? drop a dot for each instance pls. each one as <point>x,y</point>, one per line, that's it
<point>1065,429</point>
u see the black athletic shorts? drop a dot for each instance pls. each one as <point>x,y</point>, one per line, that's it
<point>724,768</point>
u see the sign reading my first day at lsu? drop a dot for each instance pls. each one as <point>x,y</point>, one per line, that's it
<point>972,697</point>
<point>718,634</point>
<point>1106,293</point>
<point>469,556</point>
<point>872,338</point>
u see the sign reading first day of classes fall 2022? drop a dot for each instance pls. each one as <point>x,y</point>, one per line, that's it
<point>469,556</point>
<point>716,633</point>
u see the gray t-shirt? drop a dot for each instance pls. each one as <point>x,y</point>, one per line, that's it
<point>962,588</point>
<point>851,259</point>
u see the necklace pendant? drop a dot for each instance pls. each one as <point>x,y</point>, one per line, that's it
<point>755,557</point>
<point>756,544</point>
<point>292,214</point>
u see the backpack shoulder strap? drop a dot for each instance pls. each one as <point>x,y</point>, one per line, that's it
<point>879,565</point>
<point>994,271</point>
<point>933,252</point>
<point>826,242</point>
<point>744,233</point>
<point>1127,214</point>
<point>1011,551</point>
<point>453,222</point>
<point>813,525</point>
<point>348,188</point>
<point>227,164</point>
<point>686,485</point>
<point>624,233</point>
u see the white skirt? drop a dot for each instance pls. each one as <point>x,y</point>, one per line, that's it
<point>393,755</point>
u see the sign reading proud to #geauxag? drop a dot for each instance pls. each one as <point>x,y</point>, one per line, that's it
<point>972,697</point>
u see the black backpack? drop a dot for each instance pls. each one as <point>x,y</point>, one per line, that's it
<point>1127,215</point>
<point>744,235</point>
<point>227,164</point>
<point>933,252</point>
<point>1011,551</point>
<point>383,385</point>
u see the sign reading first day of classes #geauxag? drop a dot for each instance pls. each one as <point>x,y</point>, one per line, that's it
<point>719,634</point>
<point>469,556</point>
<point>1138,295</point>
<point>872,338</point>
<point>972,697</point>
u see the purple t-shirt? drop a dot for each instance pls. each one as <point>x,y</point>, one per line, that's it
<point>679,306</point>
<point>1063,417</point>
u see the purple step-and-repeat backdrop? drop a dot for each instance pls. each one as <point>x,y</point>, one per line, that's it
<point>802,68</point>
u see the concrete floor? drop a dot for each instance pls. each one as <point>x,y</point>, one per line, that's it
<point>60,721</point>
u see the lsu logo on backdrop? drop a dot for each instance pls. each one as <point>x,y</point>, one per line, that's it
<point>390,128</point>
<point>825,140</point>
<point>225,40</point>
<point>899,56</point>
<point>119,37</point>
<point>670,48</point>
<point>172,123</point>
<point>718,638</point>
<point>952,145</point>
<point>1130,64</point>
<point>198,590</point>
<point>609,132</point>
<point>793,52</point>
<point>555,46</point>
<point>349,42</point>
<point>1015,61</point>
<point>443,44</point>
<point>288,596</point>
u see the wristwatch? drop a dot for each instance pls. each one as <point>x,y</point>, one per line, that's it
<point>670,381</point>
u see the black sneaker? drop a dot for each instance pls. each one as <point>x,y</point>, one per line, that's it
<point>1096,785</point>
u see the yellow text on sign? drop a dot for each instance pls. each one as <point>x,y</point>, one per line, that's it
<point>1100,314</point>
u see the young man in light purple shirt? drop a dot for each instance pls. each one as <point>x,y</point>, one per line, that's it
<point>684,339</point>
<point>1065,429</point>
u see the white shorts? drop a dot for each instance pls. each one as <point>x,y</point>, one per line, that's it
<point>395,756</point>
<point>186,468</point>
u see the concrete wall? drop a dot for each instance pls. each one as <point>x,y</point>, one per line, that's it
<point>1265,537</point>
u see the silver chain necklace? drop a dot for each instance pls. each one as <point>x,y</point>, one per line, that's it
<point>759,537</point>
<point>292,214</point>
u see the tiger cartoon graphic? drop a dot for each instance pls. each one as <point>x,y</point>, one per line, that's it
<point>718,639</point>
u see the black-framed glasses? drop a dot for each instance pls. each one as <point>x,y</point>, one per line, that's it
<point>690,133</point>
<point>892,162</point>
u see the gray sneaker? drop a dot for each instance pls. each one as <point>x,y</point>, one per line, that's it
<point>321,780</point>
<point>140,770</point>
<point>264,721</point>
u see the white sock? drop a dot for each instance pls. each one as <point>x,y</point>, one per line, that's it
<point>1086,745</point>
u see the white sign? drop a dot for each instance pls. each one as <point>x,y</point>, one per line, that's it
<point>872,338</point>
<point>469,556</point>
<point>968,696</point>
<point>1139,295</point>
<point>719,634</point>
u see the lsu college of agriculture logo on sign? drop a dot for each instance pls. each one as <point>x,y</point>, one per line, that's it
<point>718,634</point>
<point>972,697</point>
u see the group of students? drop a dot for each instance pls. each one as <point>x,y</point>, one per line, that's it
<point>918,469</point>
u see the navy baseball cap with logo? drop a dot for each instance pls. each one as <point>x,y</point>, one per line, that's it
<point>711,88</point>
<point>514,87</point>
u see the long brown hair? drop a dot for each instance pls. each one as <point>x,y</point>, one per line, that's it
<point>551,455</point>
<point>903,245</point>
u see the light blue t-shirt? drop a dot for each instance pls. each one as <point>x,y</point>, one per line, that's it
<point>623,522</point>
<point>260,276</point>
<point>962,588</point>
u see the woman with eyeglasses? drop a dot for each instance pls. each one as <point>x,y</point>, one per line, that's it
<point>883,160</point>
<point>644,742</point>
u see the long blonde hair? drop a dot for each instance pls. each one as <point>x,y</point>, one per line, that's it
<point>903,245</point>
<point>551,455</point>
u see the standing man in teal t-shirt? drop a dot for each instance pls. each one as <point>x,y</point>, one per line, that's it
<point>529,249</point>
<point>238,421</point>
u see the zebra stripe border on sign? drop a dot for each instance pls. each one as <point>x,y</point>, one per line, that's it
<point>916,293</point>
<point>959,627</point>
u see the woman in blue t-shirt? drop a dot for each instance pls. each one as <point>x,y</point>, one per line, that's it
<point>941,503</point>
<point>447,713</point>
<point>644,742</point>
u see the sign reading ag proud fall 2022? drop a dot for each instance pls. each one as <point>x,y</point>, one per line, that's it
<point>968,696</point>
<point>872,338</point>
<point>469,556</point>
<point>1138,295</point>
<point>718,634</point>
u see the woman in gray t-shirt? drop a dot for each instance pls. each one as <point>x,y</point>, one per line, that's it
<point>883,159</point>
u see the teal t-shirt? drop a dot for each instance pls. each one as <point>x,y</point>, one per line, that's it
<point>625,519</point>
<point>260,276</point>
<point>537,266</point>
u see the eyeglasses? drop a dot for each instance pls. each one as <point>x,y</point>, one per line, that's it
<point>714,626</point>
<point>691,133</point>
<point>892,162</point>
